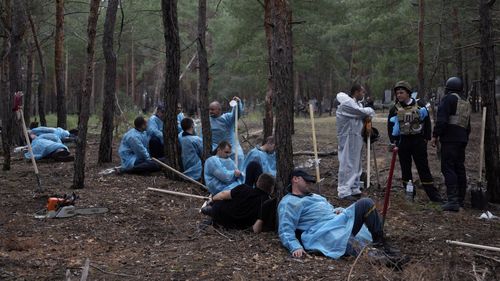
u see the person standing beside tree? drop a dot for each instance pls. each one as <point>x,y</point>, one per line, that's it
<point>452,130</point>
<point>409,128</point>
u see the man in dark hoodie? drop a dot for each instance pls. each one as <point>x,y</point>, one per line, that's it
<point>452,130</point>
<point>409,128</point>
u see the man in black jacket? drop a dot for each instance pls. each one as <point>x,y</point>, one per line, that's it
<point>452,130</point>
<point>409,127</point>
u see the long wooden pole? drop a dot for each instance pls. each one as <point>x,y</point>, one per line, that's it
<point>179,173</point>
<point>178,193</point>
<point>482,247</point>
<point>368,160</point>
<point>315,145</point>
<point>35,167</point>
<point>236,135</point>
<point>481,149</point>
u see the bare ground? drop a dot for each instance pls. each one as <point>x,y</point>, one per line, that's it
<point>148,236</point>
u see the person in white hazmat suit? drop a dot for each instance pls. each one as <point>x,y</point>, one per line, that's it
<point>350,119</point>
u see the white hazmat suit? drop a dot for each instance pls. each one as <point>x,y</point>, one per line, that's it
<point>350,116</point>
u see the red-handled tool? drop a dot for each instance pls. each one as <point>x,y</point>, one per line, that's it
<point>389,184</point>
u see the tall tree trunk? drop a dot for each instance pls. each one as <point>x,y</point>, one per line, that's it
<point>171,92</point>
<point>420,74</point>
<point>43,75</point>
<point>268,111</point>
<point>457,38</point>
<point>59,64</point>
<point>203,79</point>
<point>15,74</point>
<point>282,69</point>
<point>28,93</point>
<point>108,107</point>
<point>488,97</point>
<point>5,105</point>
<point>81,143</point>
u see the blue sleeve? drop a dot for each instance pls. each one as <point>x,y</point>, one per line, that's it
<point>289,215</point>
<point>153,128</point>
<point>138,148</point>
<point>220,172</point>
<point>198,146</point>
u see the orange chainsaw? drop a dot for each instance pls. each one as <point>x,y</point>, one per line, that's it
<point>64,207</point>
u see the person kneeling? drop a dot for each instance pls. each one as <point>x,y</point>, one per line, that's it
<point>221,172</point>
<point>308,222</point>
<point>245,206</point>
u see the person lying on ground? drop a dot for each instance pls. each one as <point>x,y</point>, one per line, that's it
<point>244,206</point>
<point>220,171</point>
<point>264,160</point>
<point>191,150</point>
<point>48,146</point>
<point>134,155</point>
<point>308,222</point>
<point>222,126</point>
<point>155,132</point>
<point>62,134</point>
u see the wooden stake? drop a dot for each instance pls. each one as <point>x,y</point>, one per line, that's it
<point>477,246</point>
<point>179,173</point>
<point>481,149</point>
<point>236,135</point>
<point>368,160</point>
<point>178,193</point>
<point>30,150</point>
<point>315,146</point>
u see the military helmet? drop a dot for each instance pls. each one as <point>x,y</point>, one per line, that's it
<point>454,84</point>
<point>403,84</point>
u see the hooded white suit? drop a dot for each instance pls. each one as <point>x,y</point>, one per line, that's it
<point>350,115</point>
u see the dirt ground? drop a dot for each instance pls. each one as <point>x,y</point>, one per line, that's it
<point>149,236</point>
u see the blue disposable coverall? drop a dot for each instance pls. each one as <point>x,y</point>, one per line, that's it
<point>322,229</point>
<point>192,150</point>
<point>133,149</point>
<point>223,129</point>
<point>266,160</point>
<point>44,145</point>
<point>60,132</point>
<point>219,174</point>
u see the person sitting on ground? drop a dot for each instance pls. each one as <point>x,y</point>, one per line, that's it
<point>245,206</point>
<point>62,134</point>
<point>133,151</point>
<point>48,146</point>
<point>261,160</point>
<point>191,149</point>
<point>220,171</point>
<point>155,132</point>
<point>222,126</point>
<point>308,222</point>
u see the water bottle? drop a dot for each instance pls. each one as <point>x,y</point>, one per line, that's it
<point>409,191</point>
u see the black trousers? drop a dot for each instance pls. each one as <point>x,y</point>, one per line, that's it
<point>252,173</point>
<point>148,166</point>
<point>156,148</point>
<point>414,147</point>
<point>453,168</point>
<point>365,213</point>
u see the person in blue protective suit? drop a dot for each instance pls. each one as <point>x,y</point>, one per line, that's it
<point>409,127</point>
<point>133,150</point>
<point>309,223</point>
<point>155,132</point>
<point>191,150</point>
<point>260,160</point>
<point>222,126</point>
<point>221,172</point>
<point>62,134</point>
<point>452,130</point>
<point>48,146</point>
<point>350,120</point>
<point>180,116</point>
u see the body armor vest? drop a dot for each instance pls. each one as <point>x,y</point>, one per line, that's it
<point>409,119</point>
<point>462,115</point>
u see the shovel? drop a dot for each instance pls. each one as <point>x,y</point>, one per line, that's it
<point>315,147</point>
<point>478,198</point>
<point>389,184</point>
<point>234,104</point>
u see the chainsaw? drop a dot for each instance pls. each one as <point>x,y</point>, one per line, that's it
<point>64,207</point>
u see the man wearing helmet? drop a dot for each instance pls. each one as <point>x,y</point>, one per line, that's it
<point>409,128</point>
<point>452,130</point>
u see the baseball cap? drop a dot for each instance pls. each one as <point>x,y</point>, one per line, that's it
<point>304,175</point>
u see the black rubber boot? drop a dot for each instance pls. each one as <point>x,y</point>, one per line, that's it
<point>432,193</point>
<point>452,205</point>
<point>461,195</point>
